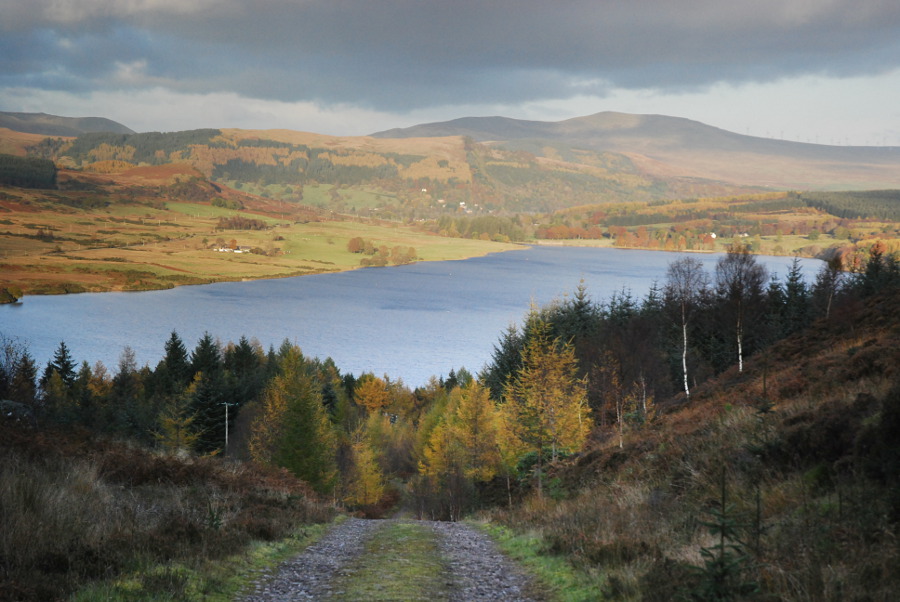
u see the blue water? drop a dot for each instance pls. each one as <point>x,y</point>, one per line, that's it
<point>409,322</point>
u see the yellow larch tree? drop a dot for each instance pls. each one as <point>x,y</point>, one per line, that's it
<point>372,393</point>
<point>475,425</point>
<point>176,431</point>
<point>545,401</point>
<point>367,486</point>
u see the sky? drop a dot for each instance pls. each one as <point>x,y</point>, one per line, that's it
<point>825,71</point>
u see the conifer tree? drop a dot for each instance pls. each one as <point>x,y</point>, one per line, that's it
<point>367,484</point>
<point>475,424</point>
<point>207,398</point>
<point>505,360</point>
<point>293,431</point>
<point>372,393</point>
<point>176,366</point>
<point>545,402</point>
<point>176,433</point>
<point>61,363</point>
<point>796,299</point>
<point>206,357</point>
<point>23,387</point>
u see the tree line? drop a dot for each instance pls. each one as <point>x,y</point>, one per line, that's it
<point>27,172</point>
<point>147,147</point>
<point>877,204</point>
<point>572,369</point>
<point>381,255</point>
<point>689,328</point>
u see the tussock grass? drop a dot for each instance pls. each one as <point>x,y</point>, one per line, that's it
<point>809,486</point>
<point>75,512</point>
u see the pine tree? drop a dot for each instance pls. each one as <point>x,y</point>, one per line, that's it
<point>796,299</point>
<point>206,402</point>
<point>175,366</point>
<point>505,360</point>
<point>23,385</point>
<point>206,357</point>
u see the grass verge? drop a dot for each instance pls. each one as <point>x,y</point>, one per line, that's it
<point>211,580</point>
<point>562,580</point>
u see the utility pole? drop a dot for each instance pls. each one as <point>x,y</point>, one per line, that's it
<point>226,404</point>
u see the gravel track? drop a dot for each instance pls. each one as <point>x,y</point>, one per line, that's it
<point>478,570</point>
<point>308,576</point>
<point>475,569</point>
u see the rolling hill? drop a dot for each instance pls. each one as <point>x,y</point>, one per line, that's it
<point>475,164</point>
<point>664,147</point>
<point>53,125</point>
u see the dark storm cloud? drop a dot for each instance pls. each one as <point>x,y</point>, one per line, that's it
<point>403,54</point>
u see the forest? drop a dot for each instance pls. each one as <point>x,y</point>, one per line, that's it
<point>576,381</point>
<point>27,172</point>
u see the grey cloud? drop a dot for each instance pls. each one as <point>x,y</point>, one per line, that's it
<point>395,54</point>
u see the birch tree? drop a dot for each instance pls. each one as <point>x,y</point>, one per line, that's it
<point>685,282</point>
<point>739,285</point>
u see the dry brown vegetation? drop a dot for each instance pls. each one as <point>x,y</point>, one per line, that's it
<point>74,509</point>
<point>806,441</point>
<point>154,227</point>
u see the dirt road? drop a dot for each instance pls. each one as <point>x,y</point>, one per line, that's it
<point>397,560</point>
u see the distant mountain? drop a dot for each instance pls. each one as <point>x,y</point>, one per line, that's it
<point>668,146</point>
<point>53,125</point>
<point>475,165</point>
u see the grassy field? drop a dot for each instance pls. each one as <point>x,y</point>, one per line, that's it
<point>52,242</point>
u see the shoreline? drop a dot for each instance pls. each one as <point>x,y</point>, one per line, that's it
<point>576,243</point>
<point>154,282</point>
<point>74,288</point>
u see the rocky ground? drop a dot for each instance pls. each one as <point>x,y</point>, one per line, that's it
<point>471,567</point>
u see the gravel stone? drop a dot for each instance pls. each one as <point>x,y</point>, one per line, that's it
<point>476,569</point>
<point>479,571</point>
<point>308,575</point>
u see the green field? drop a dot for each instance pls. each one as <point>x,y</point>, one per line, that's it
<point>134,246</point>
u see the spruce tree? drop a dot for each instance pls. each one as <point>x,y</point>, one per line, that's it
<point>177,366</point>
<point>61,363</point>
<point>23,387</point>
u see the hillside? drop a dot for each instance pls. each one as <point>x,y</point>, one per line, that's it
<point>775,483</point>
<point>159,226</point>
<point>484,165</point>
<point>53,125</point>
<point>666,146</point>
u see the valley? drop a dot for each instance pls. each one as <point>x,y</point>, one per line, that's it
<point>728,434</point>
